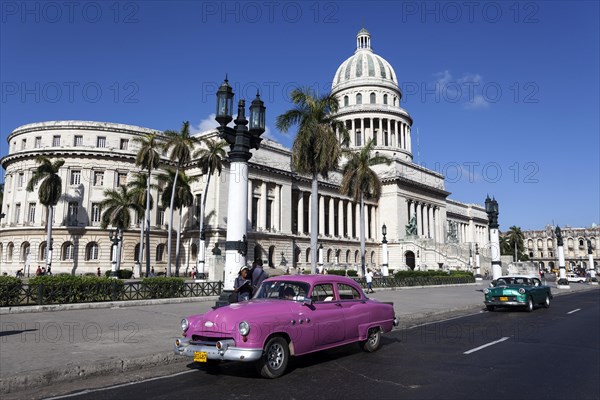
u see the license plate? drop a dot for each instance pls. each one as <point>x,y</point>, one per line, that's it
<point>503,298</point>
<point>200,356</point>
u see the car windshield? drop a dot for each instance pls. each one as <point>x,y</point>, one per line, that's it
<point>283,290</point>
<point>506,280</point>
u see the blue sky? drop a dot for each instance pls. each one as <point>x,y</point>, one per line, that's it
<point>504,95</point>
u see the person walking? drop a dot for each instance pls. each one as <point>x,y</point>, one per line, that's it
<point>369,278</point>
<point>98,272</point>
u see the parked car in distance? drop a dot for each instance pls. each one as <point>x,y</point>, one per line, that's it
<point>576,278</point>
<point>289,315</point>
<point>517,291</point>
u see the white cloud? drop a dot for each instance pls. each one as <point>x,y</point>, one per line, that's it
<point>478,102</point>
<point>464,90</point>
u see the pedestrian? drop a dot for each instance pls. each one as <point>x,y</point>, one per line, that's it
<point>132,272</point>
<point>369,278</point>
<point>43,271</point>
<point>98,272</point>
<point>193,272</point>
<point>152,272</point>
<point>243,284</point>
<point>49,272</point>
<point>38,271</point>
<point>257,275</point>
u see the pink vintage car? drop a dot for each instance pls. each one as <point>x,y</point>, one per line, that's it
<point>290,315</point>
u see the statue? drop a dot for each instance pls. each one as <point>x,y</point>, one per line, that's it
<point>589,245</point>
<point>452,232</point>
<point>411,228</point>
<point>559,239</point>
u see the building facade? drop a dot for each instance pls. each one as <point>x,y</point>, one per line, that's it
<point>425,229</point>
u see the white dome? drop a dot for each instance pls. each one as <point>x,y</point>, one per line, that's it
<point>364,67</point>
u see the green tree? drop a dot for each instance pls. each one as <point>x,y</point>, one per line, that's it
<point>180,145</point>
<point>516,238</point>
<point>359,181</point>
<point>210,160</point>
<point>116,208</point>
<point>505,248</point>
<point>49,193</point>
<point>183,198</point>
<point>316,149</point>
<point>139,189</point>
<point>148,158</point>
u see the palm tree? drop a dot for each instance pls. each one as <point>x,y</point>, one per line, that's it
<point>139,189</point>
<point>360,181</point>
<point>183,198</point>
<point>116,208</point>
<point>210,159</point>
<point>516,237</point>
<point>316,149</point>
<point>180,144</point>
<point>505,248</point>
<point>49,193</point>
<point>148,159</point>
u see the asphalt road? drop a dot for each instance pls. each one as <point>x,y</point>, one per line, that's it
<point>547,354</point>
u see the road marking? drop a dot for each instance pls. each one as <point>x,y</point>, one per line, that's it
<point>486,345</point>
<point>574,311</point>
<point>439,321</point>
<point>88,391</point>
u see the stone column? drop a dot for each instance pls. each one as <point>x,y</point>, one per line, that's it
<point>477,264</point>
<point>262,216</point>
<point>300,212</point>
<point>321,215</point>
<point>419,208</point>
<point>357,219</point>
<point>331,217</point>
<point>350,218</point>
<point>341,218</point>
<point>562,283</point>
<point>495,248</point>
<point>276,208</point>
<point>249,221</point>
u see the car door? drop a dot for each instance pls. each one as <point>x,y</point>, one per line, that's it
<point>355,311</point>
<point>326,316</point>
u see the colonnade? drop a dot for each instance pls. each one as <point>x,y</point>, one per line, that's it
<point>384,131</point>
<point>429,220</point>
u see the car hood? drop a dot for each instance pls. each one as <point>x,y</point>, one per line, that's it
<point>508,288</point>
<point>224,320</point>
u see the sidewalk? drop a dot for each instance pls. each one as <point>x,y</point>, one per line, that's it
<point>39,348</point>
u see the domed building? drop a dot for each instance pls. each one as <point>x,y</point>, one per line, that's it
<point>425,229</point>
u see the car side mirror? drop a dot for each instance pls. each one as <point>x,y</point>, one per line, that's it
<point>307,302</point>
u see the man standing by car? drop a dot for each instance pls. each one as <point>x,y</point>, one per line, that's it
<point>257,274</point>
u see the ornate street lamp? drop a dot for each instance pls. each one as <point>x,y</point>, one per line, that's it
<point>593,279</point>
<point>491,208</point>
<point>384,250</point>
<point>562,282</point>
<point>115,237</point>
<point>240,140</point>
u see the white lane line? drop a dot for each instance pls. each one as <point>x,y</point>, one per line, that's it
<point>486,345</point>
<point>574,311</point>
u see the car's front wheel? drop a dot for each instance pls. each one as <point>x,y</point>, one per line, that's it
<point>547,302</point>
<point>490,308</point>
<point>373,341</point>
<point>275,358</point>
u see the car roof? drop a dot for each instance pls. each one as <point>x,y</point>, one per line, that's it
<point>313,279</point>
<point>519,276</point>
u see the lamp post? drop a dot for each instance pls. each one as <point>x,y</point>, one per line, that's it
<point>241,139</point>
<point>593,279</point>
<point>470,258</point>
<point>491,208</point>
<point>562,282</point>
<point>477,263</point>
<point>384,250</point>
<point>115,237</point>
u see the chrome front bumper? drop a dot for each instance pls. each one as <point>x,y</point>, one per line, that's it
<point>227,352</point>
<point>504,303</point>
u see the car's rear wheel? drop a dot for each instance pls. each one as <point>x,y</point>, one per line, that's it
<point>275,358</point>
<point>373,341</point>
<point>490,308</point>
<point>529,306</point>
<point>547,302</point>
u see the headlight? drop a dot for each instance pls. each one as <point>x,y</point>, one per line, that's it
<point>486,291</point>
<point>244,328</point>
<point>184,324</point>
<point>522,291</point>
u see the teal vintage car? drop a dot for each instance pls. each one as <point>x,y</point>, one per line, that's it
<point>517,291</point>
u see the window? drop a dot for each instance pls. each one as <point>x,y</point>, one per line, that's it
<point>31,213</point>
<point>23,144</point>
<point>385,97</point>
<point>72,216</point>
<point>56,141</point>
<point>124,144</point>
<point>160,251</point>
<point>346,101</point>
<point>96,212</point>
<point>359,98</point>
<point>101,141</point>
<point>122,178</point>
<point>67,251</point>
<point>78,141</point>
<point>17,212</point>
<point>98,178</point>
<point>38,142</point>
<point>91,251</point>
<point>75,177</point>
<point>9,251</point>
<point>20,179</point>
<point>42,253</point>
<point>372,98</point>
<point>357,138</point>
<point>347,292</point>
<point>160,217</point>
<point>322,292</point>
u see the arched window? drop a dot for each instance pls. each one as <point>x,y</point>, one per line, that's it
<point>308,255</point>
<point>160,252</point>
<point>385,97</point>
<point>194,251</point>
<point>372,257</point>
<point>356,256</point>
<point>530,244</point>
<point>42,251</point>
<point>91,251</point>
<point>67,251</point>
<point>346,101</point>
<point>359,98</point>
<point>136,253</point>
<point>372,98</point>
<point>347,256</point>
<point>329,252</point>
<point>25,248</point>
<point>10,248</point>
<point>1,252</point>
